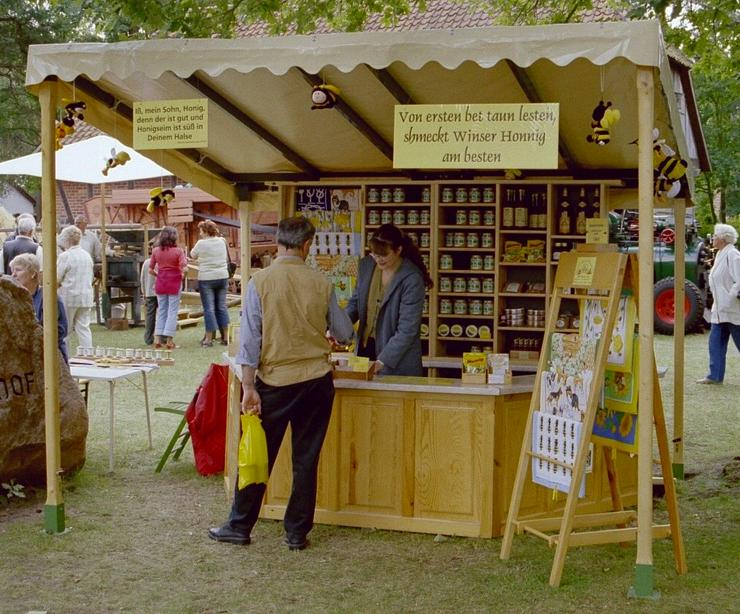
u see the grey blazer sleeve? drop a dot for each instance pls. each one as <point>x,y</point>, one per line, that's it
<point>406,329</point>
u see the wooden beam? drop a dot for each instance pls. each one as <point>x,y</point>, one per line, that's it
<point>530,91</point>
<point>580,521</point>
<point>235,112</point>
<point>353,118</point>
<point>394,87</point>
<point>613,536</point>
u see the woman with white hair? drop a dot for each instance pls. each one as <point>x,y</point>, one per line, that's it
<point>724,282</point>
<point>75,278</point>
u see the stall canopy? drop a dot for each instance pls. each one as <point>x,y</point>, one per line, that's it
<point>262,128</point>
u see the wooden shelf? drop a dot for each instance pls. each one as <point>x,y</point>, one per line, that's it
<point>487,295</point>
<point>487,250</point>
<point>469,271</point>
<point>468,339</point>
<point>397,205</point>
<point>523,231</point>
<point>523,329</point>
<point>522,294</point>
<point>520,264</point>
<point>452,316</point>
<point>468,205</point>
<point>462,227</point>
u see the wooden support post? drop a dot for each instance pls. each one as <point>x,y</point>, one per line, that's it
<point>643,585</point>
<point>678,341</point>
<point>104,298</point>
<point>245,246</point>
<point>54,507</point>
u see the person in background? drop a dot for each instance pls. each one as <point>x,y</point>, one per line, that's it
<point>146,282</point>
<point>286,376</point>
<point>23,243</point>
<point>25,270</point>
<point>89,240</point>
<point>75,276</point>
<point>212,257</point>
<point>388,303</point>
<point>724,282</point>
<point>167,263</point>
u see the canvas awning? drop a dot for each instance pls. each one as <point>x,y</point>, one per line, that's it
<point>261,127</point>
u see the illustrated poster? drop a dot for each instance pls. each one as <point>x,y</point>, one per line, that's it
<point>621,387</point>
<point>555,442</point>
<point>616,429</point>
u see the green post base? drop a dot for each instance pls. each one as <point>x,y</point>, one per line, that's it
<point>678,472</point>
<point>54,518</point>
<point>643,588</point>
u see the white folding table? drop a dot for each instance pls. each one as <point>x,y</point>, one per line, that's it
<point>111,375</point>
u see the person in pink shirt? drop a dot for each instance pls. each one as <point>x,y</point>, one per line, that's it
<point>167,263</point>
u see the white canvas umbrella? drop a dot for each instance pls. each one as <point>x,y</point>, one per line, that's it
<point>84,161</point>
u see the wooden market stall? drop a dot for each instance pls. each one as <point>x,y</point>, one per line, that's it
<point>262,134</point>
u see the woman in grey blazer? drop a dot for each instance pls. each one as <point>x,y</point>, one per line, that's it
<point>388,303</point>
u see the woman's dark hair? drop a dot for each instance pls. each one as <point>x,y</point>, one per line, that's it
<point>390,237</point>
<point>167,237</point>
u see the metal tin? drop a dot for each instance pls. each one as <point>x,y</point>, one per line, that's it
<point>476,262</point>
<point>488,262</point>
<point>386,195</point>
<point>474,195</point>
<point>459,284</point>
<point>373,196</point>
<point>425,239</point>
<point>399,217</point>
<point>412,217</point>
<point>445,262</point>
<point>486,240</point>
<point>447,195</point>
<point>460,307</point>
<point>489,217</point>
<point>474,217</point>
<point>472,240</point>
<point>445,306</point>
<point>373,216</point>
<point>445,284</point>
<point>399,195</point>
<point>461,217</point>
<point>474,284</point>
<point>424,217</point>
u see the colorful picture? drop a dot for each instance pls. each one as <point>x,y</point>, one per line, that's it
<point>620,346</point>
<point>555,442</point>
<point>621,387</point>
<point>312,198</point>
<point>616,429</point>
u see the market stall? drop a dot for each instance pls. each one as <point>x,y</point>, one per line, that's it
<point>252,100</point>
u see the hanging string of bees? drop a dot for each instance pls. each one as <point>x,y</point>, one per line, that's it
<point>668,168</point>
<point>603,118</point>
<point>66,126</point>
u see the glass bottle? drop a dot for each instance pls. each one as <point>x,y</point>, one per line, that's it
<point>581,208</point>
<point>596,204</point>
<point>564,213</point>
<point>521,213</point>
<point>507,215</point>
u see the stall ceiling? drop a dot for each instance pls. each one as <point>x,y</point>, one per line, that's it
<point>261,126</point>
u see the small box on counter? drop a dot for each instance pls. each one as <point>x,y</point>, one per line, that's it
<point>354,367</point>
<point>531,356</point>
<point>473,368</point>
<point>499,369</point>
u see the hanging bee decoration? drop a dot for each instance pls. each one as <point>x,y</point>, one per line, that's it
<point>668,168</point>
<point>603,118</point>
<point>159,198</point>
<point>66,127</point>
<point>324,96</point>
<point>116,159</point>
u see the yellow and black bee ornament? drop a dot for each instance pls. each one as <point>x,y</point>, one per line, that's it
<point>116,159</point>
<point>324,96</point>
<point>65,127</point>
<point>159,198</point>
<point>668,168</point>
<point>602,120</point>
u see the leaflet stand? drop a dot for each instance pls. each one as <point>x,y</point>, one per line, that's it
<point>595,273</point>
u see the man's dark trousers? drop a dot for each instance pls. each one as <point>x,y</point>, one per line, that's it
<point>151,319</point>
<point>307,407</point>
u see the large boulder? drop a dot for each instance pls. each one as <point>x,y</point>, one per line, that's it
<point>22,433</point>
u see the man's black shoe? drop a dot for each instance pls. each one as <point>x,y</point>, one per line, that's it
<point>227,534</point>
<point>296,543</point>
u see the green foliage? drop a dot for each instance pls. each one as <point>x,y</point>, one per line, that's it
<point>12,490</point>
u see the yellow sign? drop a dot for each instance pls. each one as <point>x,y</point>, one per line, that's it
<point>585,269</point>
<point>171,124</point>
<point>359,363</point>
<point>476,136</point>
<point>597,230</point>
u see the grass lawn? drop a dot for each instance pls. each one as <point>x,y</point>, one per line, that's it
<point>136,540</point>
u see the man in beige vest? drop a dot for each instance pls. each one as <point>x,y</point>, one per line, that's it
<point>286,376</point>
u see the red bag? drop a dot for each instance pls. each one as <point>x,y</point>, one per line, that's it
<point>206,416</point>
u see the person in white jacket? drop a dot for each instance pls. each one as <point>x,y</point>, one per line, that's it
<point>724,282</point>
<point>75,277</point>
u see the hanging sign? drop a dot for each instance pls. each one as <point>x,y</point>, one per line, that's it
<point>498,136</point>
<point>171,124</point>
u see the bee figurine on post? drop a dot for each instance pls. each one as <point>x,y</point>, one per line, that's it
<point>603,118</point>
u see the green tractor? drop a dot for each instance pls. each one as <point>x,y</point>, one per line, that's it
<point>623,227</point>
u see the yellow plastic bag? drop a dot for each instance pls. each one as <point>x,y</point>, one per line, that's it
<point>252,452</point>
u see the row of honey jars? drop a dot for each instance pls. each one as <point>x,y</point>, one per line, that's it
<point>474,194</point>
<point>476,263</point>
<point>463,307</point>
<point>469,239</point>
<point>474,217</point>
<point>399,217</point>
<point>397,194</point>
<point>473,285</point>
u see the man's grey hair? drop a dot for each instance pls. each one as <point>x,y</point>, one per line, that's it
<point>70,236</point>
<point>26,225</point>
<point>726,232</point>
<point>293,232</point>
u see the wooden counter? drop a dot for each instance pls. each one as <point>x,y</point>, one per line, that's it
<point>427,455</point>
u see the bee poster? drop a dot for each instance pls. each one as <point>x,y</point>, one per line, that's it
<point>555,442</point>
<point>615,429</point>
<point>620,344</point>
<point>621,387</point>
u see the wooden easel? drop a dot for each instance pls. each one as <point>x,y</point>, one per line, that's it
<point>596,273</point>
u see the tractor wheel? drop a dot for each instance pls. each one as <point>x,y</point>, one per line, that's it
<point>665,308</point>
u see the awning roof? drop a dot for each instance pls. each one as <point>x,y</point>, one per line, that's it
<point>262,127</point>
